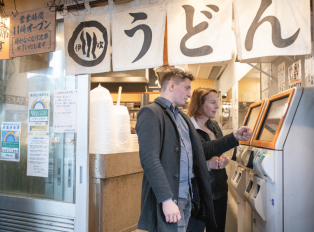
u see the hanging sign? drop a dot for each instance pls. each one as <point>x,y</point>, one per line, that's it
<point>199,31</point>
<point>87,41</point>
<point>272,28</point>
<point>137,37</point>
<point>4,38</point>
<point>38,107</point>
<point>32,32</point>
<point>64,114</point>
<point>38,155</point>
<point>10,141</point>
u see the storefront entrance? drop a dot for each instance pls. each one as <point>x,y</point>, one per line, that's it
<point>30,201</point>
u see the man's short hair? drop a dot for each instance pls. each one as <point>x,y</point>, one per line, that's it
<point>176,75</point>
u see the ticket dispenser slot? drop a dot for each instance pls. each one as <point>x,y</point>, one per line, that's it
<point>249,186</point>
<point>235,177</point>
<point>240,152</point>
<point>239,182</point>
<point>255,195</point>
<point>249,189</point>
<point>258,187</point>
<point>245,156</point>
<point>264,164</point>
<point>248,157</point>
<point>234,174</point>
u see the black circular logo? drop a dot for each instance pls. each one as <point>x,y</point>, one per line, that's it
<point>71,45</point>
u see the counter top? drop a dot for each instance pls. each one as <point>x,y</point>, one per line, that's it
<point>103,166</point>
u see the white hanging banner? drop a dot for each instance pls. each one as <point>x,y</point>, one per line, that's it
<point>87,41</point>
<point>199,31</point>
<point>272,28</point>
<point>138,35</point>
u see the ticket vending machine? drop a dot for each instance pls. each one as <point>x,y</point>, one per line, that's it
<point>241,175</point>
<point>280,187</point>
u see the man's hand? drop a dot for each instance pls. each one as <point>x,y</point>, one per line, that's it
<point>223,162</point>
<point>171,211</point>
<point>214,162</point>
<point>243,134</point>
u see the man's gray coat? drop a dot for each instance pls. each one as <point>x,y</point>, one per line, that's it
<point>160,151</point>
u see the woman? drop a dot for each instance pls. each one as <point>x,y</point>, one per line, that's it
<point>202,109</point>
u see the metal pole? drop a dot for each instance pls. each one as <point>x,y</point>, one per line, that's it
<point>260,70</point>
<point>82,154</point>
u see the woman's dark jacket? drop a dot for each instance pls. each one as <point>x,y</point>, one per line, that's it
<point>218,178</point>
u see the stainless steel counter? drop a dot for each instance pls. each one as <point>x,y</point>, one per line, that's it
<point>115,192</point>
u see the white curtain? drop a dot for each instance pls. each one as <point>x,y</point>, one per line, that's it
<point>199,31</point>
<point>138,35</point>
<point>87,41</point>
<point>272,28</point>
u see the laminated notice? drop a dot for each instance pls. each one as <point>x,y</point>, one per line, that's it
<point>10,141</point>
<point>38,155</point>
<point>38,111</point>
<point>64,114</point>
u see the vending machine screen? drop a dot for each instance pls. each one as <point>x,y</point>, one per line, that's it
<point>253,115</point>
<point>271,122</point>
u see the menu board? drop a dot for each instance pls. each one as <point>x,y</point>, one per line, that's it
<point>253,115</point>
<point>271,122</point>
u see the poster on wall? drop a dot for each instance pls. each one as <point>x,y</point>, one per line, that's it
<point>294,74</point>
<point>265,80</point>
<point>32,32</point>
<point>247,97</point>
<point>10,141</point>
<point>137,33</point>
<point>309,70</point>
<point>265,94</point>
<point>257,96</point>
<point>38,155</point>
<point>38,111</point>
<point>64,113</point>
<point>199,31</point>
<point>263,28</point>
<point>4,38</point>
<point>87,42</point>
<point>235,107</point>
<point>281,77</point>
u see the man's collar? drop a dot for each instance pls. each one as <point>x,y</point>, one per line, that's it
<point>165,101</point>
<point>168,104</point>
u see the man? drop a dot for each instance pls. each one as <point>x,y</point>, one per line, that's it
<point>171,155</point>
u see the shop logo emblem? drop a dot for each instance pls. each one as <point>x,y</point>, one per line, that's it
<point>84,47</point>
